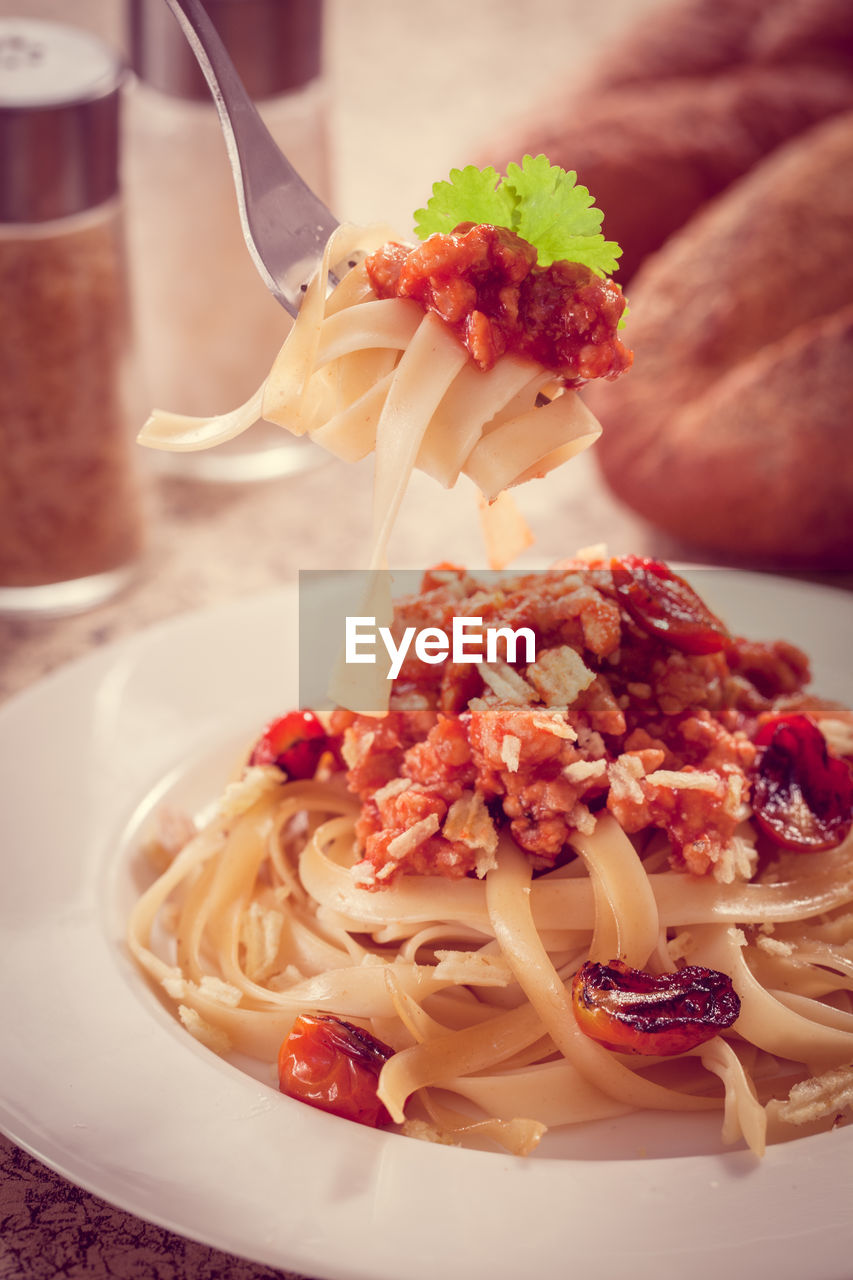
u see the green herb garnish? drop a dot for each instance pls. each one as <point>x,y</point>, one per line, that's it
<point>537,200</point>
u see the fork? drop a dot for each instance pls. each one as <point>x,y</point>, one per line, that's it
<point>285,224</point>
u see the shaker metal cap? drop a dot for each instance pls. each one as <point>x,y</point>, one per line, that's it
<point>59,120</point>
<point>276,45</point>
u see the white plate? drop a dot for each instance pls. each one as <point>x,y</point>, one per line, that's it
<point>99,1082</point>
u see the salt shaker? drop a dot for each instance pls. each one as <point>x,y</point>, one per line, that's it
<point>70,502</point>
<point>207,327</point>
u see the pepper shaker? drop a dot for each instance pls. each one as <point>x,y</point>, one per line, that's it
<point>207,327</point>
<point>70,501</point>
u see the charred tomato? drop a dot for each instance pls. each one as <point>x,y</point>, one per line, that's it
<point>335,1066</point>
<point>802,797</point>
<point>666,606</point>
<point>632,1011</point>
<point>293,743</point>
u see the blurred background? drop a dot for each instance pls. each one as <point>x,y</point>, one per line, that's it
<point>718,137</point>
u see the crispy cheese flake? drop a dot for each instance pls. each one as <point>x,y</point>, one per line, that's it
<point>511,752</point>
<point>560,675</point>
<point>211,1037</point>
<point>582,771</point>
<point>591,743</point>
<point>623,775</point>
<point>407,841</point>
<point>260,934</point>
<point>395,787</point>
<point>553,721</point>
<point>736,793</point>
<point>220,991</point>
<point>506,683</point>
<point>583,819</point>
<point>239,796</point>
<point>355,749</point>
<point>682,780</point>
<point>737,861</point>
<point>364,873</point>
<point>469,822</point>
<point>175,985</point>
<point>774,946</point>
<point>821,1096</point>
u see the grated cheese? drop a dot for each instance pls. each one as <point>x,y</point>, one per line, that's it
<point>511,752</point>
<point>553,722</point>
<point>220,991</point>
<point>822,1096</point>
<point>355,749</point>
<point>679,780</point>
<point>591,743</point>
<point>623,774</point>
<point>407,841</point>
<point>211,1037</point>
<point>260,934</point>
<point>391,789</point>
<point>560,675</point>
<point>583,819</point>
<point>774,946</point>
<point>737,861</point>
<point>505,681</point>
<point>469,822</point>
<point>255,783</point>
<point>585,770</point>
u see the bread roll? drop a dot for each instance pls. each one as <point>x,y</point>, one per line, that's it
<point>681,40</point>
<point>653,155</point>
<point>685,102</point>
<point>819,32</point>
<point>732,431</point>
<point>692,38</point>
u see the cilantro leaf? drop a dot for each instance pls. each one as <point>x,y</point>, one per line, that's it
<point>539,201</point>
<point>558,216</point>
<point>471,195</point>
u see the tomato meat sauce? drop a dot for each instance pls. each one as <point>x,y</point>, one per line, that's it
<point>486,285</point>
<point>658,726</point>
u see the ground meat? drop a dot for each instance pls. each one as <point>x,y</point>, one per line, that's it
<point>658,737</point>
<point>485,284</point>
<point>771,669</point>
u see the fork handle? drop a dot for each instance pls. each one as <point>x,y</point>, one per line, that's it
<point>263,176</point>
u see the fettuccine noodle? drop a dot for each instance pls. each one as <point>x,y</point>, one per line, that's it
<point>467,979</point>
<point>361,375</point>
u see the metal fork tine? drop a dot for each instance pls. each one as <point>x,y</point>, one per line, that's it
<point>285,224</point>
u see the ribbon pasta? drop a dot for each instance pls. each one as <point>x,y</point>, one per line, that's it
<point>467,980</point>
<point>361,375</point>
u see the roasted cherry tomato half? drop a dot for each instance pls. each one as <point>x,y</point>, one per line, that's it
<point>632,1011</point>
<point>802,797</point>
<point>294,743</point>
<point>335,1066</point>
<point>666,606</point>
